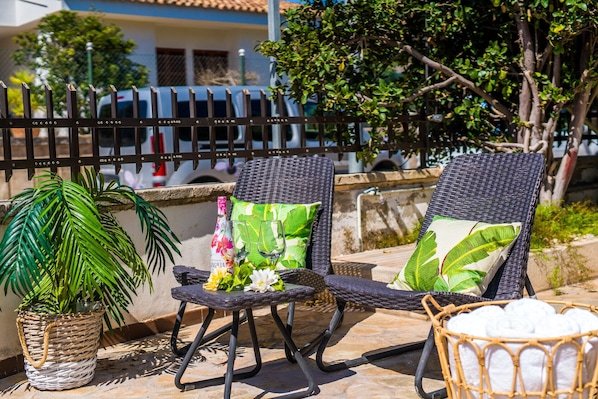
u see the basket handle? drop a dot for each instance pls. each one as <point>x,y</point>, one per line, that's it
<point>428,302</point>
<point>23,342</point>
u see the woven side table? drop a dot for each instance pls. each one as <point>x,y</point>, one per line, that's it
<point>235,302</point>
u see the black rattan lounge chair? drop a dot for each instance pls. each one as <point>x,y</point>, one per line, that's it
<point>280,180</point>
<point>491,188</point>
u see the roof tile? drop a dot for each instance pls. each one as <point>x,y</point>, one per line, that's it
<point>257,6</point>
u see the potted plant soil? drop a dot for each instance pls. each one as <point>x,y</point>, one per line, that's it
<point>72,263</point>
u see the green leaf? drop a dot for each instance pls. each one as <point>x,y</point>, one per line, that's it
<point>476,247</point>
<point>422,268</point>
<point>465,281</point>
<point>297,221</point>
<point>440,285</point>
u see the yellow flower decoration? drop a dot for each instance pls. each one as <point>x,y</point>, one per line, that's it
<point>218,274</point>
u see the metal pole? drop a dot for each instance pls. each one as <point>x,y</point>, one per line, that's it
<point>242,60</point>
<point>274,35</point>
<point>89,48</point>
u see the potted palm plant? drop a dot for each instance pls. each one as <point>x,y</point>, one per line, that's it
<point>66,255</point>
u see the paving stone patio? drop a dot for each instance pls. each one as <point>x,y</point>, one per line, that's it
<point>145,368</point>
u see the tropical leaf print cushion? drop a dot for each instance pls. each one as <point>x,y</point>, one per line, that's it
<point>457,256</point>
<point>297,221</point>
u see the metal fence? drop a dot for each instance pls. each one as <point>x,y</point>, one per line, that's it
<point>334,134</point>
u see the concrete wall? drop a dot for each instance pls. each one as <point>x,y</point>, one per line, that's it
<point>191,211</point>
<point>556,267</point>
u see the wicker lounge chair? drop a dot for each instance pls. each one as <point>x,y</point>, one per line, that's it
<point>280,180</point>
<point>490,188</point>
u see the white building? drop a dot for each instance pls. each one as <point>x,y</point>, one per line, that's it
<point>175,39</point>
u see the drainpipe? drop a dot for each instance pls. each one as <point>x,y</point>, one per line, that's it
<point>369,191</point>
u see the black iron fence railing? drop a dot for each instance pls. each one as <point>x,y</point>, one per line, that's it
<point>131,125</point>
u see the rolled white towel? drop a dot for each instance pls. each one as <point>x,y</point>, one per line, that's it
<point>475,324</point>
<point>499,359</point>
<point>530,309</point>
<point>587,321</point>
<point>556,326</point>
<point>510,326</point>
<point>564,355</point>
<point>470,324</point>
<point>489,312</point>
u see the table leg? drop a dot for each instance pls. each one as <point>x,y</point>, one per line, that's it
<point>229,377</point>
<point>289,328</point>
<point>232,354</point>
<point>312,386</point>
<point>191,351</point>
<point>208,337</point>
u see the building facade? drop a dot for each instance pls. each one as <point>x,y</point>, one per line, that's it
<point>182,42</point>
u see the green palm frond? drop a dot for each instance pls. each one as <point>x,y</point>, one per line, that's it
<point>422,268</point>
<point>160,242</point>
<point>25,249</point>
<point>63,245</point>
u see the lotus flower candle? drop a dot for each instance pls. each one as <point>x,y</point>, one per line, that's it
<point>262,280</point>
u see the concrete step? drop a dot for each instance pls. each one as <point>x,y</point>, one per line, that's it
<point>378,264</point>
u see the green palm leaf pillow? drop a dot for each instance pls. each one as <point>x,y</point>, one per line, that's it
<point>297,221</point>
<point>457,256</point>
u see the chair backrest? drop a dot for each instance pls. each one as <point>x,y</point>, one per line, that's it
<point>295,180</point>
<point>493,188</point>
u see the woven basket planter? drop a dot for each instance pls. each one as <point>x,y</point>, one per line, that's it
<point>60,349</point>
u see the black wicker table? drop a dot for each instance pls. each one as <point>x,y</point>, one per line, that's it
<point>235,302</point>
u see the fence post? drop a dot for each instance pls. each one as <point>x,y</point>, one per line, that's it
<point>5,132</point>
<point>72,112</point>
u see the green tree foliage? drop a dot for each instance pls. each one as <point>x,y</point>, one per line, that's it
<point>503,73</point>
<point>57,52</point>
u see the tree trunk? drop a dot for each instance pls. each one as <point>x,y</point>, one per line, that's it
<point>569,160</point>
<point>564,173</point>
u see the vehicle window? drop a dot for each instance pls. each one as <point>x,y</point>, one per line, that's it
<point>257,131</point>
<point>203,133</point>
<point>311,129</point>
<point>127,134</point>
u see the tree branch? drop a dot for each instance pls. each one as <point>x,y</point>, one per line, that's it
<point>419,93</point>
<point>430,88</point>
<point>540,146</point>
<point>501,109</point>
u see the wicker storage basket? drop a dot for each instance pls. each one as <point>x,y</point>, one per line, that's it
<point>60,349</point>
<point>506,368</point>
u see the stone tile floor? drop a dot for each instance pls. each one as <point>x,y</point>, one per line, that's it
<point>145,368</point>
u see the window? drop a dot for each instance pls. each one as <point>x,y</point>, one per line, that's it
<point>257,131</point>
<point>171,67</point>
<point>127,134</point>
<point>208,65</point>
<point>203,133</point>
